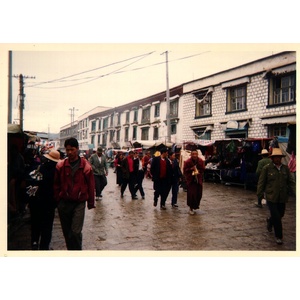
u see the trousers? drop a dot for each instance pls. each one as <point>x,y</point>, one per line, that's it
<point>277,211</point>
<point>71,214</point>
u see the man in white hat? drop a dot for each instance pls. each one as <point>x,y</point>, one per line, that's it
<point>276,183</point>
<point>264,161</point>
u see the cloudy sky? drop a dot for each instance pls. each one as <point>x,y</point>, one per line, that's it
<point>85,76</point>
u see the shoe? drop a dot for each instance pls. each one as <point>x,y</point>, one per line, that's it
<point>143,197</point>
<point>96,198</point>
<point>192,212</point>
<point>155,203</point>
<point>269,225</point>
<point>258,205</point>
<point>279,241</point>
<point>163,207</point>
<point>134,198</point>
<point>174,205</point>
<point>35,246</point>
<point>100,196</point>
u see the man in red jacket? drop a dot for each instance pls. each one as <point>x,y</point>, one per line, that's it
<point>74,185</point>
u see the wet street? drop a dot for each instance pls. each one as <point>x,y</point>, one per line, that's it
<point>228,220</point>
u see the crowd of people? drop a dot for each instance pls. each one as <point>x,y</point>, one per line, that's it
<point>74,182</point>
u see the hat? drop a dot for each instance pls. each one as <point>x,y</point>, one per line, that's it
<point>53,155</point>
<point>277,152</point>
<point>157,153</point>
<point>99,149</point>
<point>264,152</point>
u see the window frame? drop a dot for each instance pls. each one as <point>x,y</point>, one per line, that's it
<point>274,81</point>
<point>230,98</point>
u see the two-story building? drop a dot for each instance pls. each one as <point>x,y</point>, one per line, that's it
<point>257,100</point>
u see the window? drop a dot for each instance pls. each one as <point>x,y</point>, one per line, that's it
<point>93,139</point>
<point>118,136</point>
<point>135,116</point>
<point>277,130</point>
<point>236,98</point>
<point>93,125</point>
<point>173,128</point>
<point>155,133</point>
<point>145,134</point>
<point>156,110</point>
<point>104,138</point>
<point>134,132</point>
<point>105,123</point>
<point>126,134</point>
<point>203,103</point>
<point>111,135</point>
<point>98,140</point>
<point>174,108</point>
<point>99,124</point>
<point>282,89</point>
<point>119,119</point>
<point>146,115</point>
<point>111,120</point>
<point>202,134</point>
<point>127,117</point>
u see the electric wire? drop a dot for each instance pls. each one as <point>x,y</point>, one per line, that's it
<point>118,71</point>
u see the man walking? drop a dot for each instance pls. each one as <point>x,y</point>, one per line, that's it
<point>276,183</point>
<point>129,175</point>
<point>100,170</point>
<point>264,161</point>
<point>161,171</point>
<point>193,171</point>
<point>74,185</point>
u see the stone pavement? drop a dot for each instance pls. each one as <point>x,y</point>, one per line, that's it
<point>228,220</point>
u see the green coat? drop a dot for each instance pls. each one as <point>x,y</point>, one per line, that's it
<point>264,161</point>
<point>277,185</point>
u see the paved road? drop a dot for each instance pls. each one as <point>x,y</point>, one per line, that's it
<point>227,220</point>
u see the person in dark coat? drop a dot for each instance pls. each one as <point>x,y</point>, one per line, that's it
<point>41,202</point>
<point>276,184</point>
<point>193,170</point>
<point>118,168</point>
<point>176,176</point>
<point>129,175</point>
<point>161,171</point>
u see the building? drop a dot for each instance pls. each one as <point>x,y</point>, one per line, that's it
<point>253,100</point>
<point>257,100</point>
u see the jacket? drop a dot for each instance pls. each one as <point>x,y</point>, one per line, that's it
<point>79,187</point>
<point>155,169</point>
<point>99,168</point>
<point>277,185</point>
<point>264,161</point>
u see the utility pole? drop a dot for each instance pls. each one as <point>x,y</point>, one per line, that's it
<point>168,101</point>
<point>22,97</point>
<point>72,119</point>
<point>9,116</point>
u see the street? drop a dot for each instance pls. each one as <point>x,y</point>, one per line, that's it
<point>228,220</point>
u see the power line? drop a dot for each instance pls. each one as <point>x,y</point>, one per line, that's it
<point>119,71</point>
<point>80,73</point>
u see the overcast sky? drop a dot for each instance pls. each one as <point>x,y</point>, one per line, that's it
<point>84,77</point>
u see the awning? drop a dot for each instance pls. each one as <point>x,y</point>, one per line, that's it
<point>235,82</point>
<point>278,120</point>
